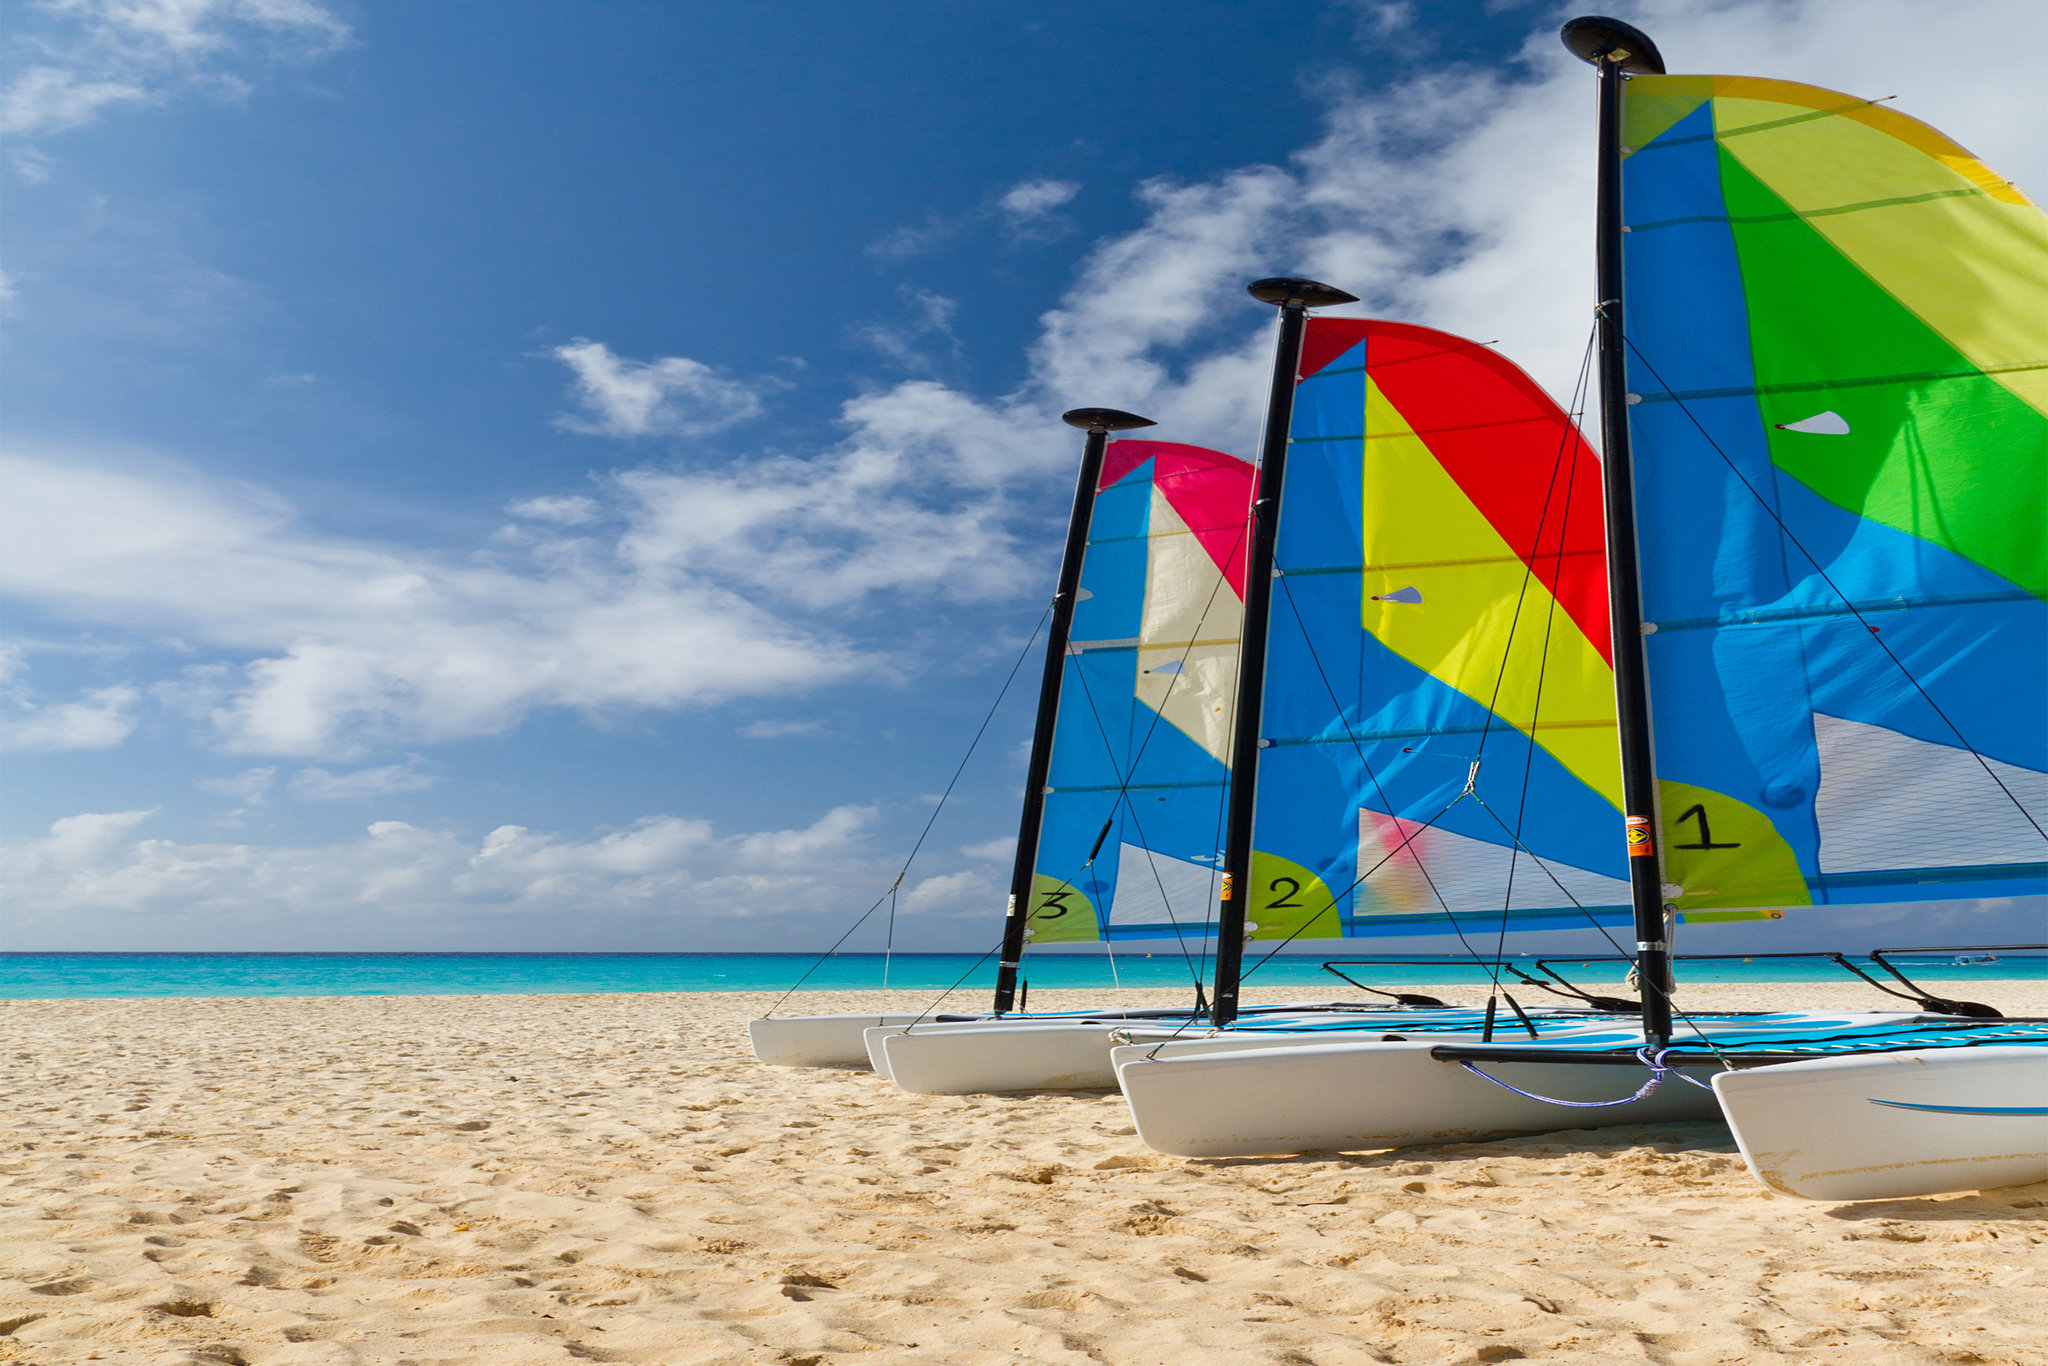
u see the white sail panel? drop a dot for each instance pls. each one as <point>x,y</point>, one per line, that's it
<point>1188,642</point>
<point>1423,871</point>
<point>1158,889</point>
<point>1887,800</point>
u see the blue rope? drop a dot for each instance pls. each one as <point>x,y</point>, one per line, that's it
<point>1658,1071</point>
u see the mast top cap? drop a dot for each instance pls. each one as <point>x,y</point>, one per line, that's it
<point>1286,289</point>
<point>1105,420</point>
<point>1595,38</point>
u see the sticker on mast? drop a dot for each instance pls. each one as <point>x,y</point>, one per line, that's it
<point>1639,845</point>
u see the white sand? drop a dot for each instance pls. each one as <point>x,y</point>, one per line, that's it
<point>517,1179</point>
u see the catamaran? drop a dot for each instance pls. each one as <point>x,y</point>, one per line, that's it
<point>1822,342</point>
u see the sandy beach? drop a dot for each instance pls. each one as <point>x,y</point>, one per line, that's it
<point>525,1179</point>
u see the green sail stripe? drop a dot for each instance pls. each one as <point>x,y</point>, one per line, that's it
<point>1913,459</point>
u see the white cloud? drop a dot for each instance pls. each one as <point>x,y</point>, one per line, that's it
<point>318,785</point>
<point>251,786</point>
<point>1027,210</point>
<point>900,244</point>
<point>315,645</point>
<point>912,343</point>
<point>946,890</point>
<point>562,509</point>
<point>100,719</point>
<point>91,870</point>
<point>1034,199</point>
<point>1002,850</point>
<point>45,99</point>
<point>88,56</point>
<point>781,730</point>
<point>670,396</point>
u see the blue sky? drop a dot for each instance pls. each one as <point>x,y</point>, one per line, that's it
<point>577,480</point>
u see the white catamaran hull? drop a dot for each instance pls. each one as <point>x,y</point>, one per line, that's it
<point>817,1040</point>
<point>1025,1053</point>
<point>1889,1125</point>
<point>1271,1101</point>
<point>958,1062</point>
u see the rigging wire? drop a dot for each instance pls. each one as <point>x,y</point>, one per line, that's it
<point>889,942</point>
<point>1570,445</point>
<point>901,873</point>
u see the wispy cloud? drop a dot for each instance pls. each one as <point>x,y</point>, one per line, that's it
<point>91,872</point>
<point>669,396</point>
<point>923,342</point>
<point>250,787</point>
<point>100,719</point>
<point>1001,850</point>
<point>1028,210</point>
<point>77,59</point>
<point>319,785</point>
<point>780,730</point>
<point>562,509</point>
<point>314,645</point>
<point>1037,198</point>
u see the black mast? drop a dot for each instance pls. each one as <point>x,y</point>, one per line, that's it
<point>1098,423</point>
<point>1615,49</point>
<point>1294,298</point>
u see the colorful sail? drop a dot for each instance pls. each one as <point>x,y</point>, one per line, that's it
<point>1133,833</point>
<point>1838,370</point>
<point>1439,747</point>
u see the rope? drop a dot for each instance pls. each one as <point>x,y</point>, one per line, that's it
<point>1658,1072</point>
<point>889,943</point>
<point>890,895</point>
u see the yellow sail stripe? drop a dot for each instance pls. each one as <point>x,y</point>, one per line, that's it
<point>1948,237</point>
<point>1417,518</point>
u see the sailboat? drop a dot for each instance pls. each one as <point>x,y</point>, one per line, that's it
<point>1822,349</point>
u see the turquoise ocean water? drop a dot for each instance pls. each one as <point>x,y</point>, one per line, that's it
<point>59,975</point>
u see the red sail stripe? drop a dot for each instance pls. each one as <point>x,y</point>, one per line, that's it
<point>1500,437</point>
<point>1210,490</point>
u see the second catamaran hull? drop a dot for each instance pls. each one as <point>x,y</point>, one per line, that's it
<point>1881,1127</point>
<point>817,1040</point>
<point>1050,1055</point>
<point>1318,1097</point>
<point>964,1061</point>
